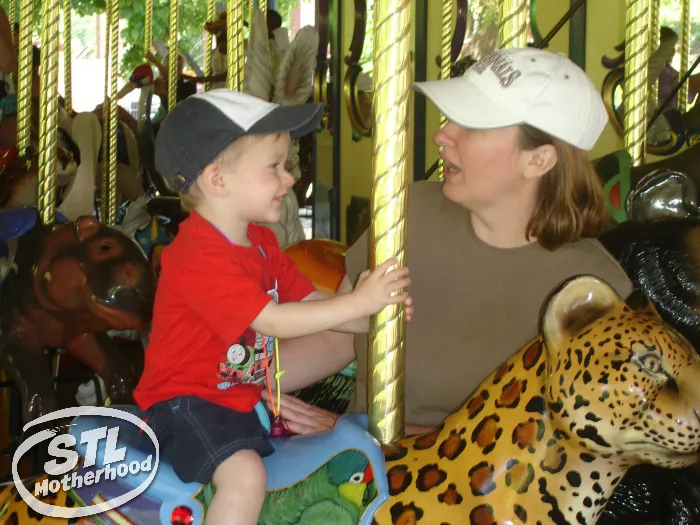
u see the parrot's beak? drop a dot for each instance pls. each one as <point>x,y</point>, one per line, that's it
<point>353,492</point>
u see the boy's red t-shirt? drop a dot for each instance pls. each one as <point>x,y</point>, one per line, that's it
<point>209,291</point>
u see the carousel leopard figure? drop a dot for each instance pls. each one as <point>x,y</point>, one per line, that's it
<point>546,437</point>
<point>14,510</point>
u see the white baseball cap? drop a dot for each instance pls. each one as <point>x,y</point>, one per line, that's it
<point>523,86</point>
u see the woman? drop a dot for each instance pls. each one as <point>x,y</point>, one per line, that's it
<point>518,213</point>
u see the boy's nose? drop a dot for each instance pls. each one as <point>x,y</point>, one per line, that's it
<point>288,179</point>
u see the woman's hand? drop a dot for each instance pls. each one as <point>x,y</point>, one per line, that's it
<point>408,309</point>
<point>300,417</point>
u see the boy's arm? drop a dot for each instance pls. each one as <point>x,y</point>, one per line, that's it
<point>289,320</point>
<point>359,325</point>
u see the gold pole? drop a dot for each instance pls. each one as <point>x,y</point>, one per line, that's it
<point>148,30</point>
<point>386,376</point>
<point>684,53</point>
<point>208,45</point>
<point>251,13</point>
<point>24,76</point>
<point>12,15</point>
<point>48,111</point>
<point>636,61</point>
<point>173,56</point>
<point>67,57</point>
<point>445,62</point>
<point>104,184</point>
<point>234,47</point>
<point>512,23</point>
<point>654,42</point>
<point>262,5</point>
<point>111,218</point>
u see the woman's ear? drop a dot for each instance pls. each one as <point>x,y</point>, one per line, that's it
<point>539,161</point>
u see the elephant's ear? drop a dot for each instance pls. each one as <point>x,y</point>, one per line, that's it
<point>258,77</point>
<point>294,83</point>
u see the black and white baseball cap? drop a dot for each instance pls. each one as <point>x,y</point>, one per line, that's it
<point>200,127</point>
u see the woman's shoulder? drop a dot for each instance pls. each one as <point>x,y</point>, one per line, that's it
<point>589,256</point>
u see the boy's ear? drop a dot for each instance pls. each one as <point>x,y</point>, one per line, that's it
<point>212,180</point>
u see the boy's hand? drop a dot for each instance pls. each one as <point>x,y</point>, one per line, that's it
<point>374,288</point>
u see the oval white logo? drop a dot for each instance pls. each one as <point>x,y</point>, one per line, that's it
<point>59,448</point>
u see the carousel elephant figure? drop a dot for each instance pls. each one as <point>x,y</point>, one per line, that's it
<point>65,286</point>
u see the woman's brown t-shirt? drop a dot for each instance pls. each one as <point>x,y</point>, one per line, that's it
<point>475,305</point>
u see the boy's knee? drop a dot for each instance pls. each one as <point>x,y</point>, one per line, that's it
<point>244,469</point>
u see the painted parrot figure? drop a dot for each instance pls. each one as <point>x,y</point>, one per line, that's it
<point>335,494</point>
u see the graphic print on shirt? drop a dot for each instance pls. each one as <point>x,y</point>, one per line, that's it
<point>246,364</point>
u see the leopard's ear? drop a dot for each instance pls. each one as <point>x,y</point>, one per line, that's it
<point>573,306</point>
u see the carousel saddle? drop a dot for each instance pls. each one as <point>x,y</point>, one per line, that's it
<point>14,223</point>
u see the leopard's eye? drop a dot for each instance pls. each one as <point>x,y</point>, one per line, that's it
<point>652,363</point>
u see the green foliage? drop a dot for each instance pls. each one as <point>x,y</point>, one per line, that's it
<point>192,16</point>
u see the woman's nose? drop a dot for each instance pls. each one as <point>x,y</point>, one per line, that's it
<point>443,137</point>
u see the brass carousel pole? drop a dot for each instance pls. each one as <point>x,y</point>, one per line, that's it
<point>24,76</point>
<point>113,29</point>
<point>262,5</point>
<point>654,41</point>
<point>445,62</point>
<point>208,44</point>
<point>12,15</point>
<point>684,53</point>
<point>173,55</point>
<point>234,47</point>
<point>148,30</point>
<point>104,181</point>
<point>67,57</point>
<point>512,23</point>
<point>636,60</point>
<point>386,360</point>
<point>48,111</point>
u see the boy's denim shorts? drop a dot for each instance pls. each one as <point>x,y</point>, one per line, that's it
<point>196,436</point>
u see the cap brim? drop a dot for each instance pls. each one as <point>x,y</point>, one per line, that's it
<point>466,105</point>
<point>297,120</point>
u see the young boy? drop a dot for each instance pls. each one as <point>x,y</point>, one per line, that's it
<point>226,290</point>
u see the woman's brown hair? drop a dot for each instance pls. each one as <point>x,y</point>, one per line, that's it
<point>570,202</point>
